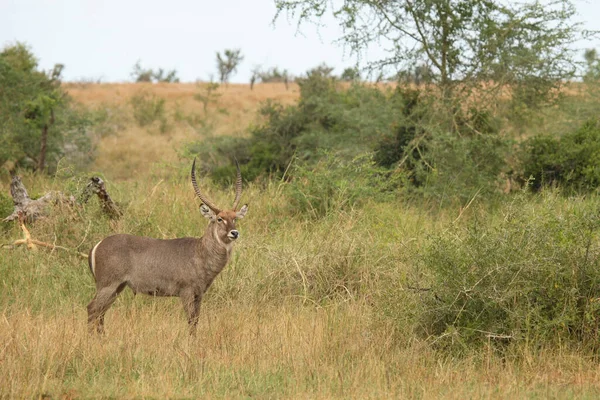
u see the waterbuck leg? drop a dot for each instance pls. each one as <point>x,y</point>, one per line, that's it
<point>191,305</point>
<point>100,304</point>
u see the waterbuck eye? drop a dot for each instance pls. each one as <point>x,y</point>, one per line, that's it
<point>219,219</point>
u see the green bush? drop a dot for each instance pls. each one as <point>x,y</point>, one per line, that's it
<point>457,168</point>
<point>572,161</point>
<point>347,122</point>
<point>409,139</point>
<point>267,152</point>
<point>531,277</point>
<point>446,164</point>
<point>148,108</point>
<point>397,125</point>
<point>333,184</point>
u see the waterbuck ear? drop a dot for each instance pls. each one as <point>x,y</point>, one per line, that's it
<point>207,212</point>
<point>242,212</point>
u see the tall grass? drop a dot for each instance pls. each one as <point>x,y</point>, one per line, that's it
<point>302,310</point>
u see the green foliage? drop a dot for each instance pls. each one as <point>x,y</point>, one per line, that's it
<point>107,120</point>
<point>360,119</point>
<point>571,161</point>
<point>38,123</point>
<point>6,205</point>
<point>441,164</point>
<point>350,75</point>
<point>149,108</point>
<point>318,82</point>
<point>333,184</point>
<point>347,122</point>
<point>270,75</point>
<point>592,67</point>
<point>527,45</point>
<point>456,168</point>
<point>529,277</point>
<point>207,95</point>
<point>268,152</point>
<point>407,143</point>
<point>140,74</point>
<point>228,63</point>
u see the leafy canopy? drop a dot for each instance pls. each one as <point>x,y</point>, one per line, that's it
<point>37,123</point>
<point>466,41</point>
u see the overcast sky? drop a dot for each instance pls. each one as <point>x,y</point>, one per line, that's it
<point>104,39</point>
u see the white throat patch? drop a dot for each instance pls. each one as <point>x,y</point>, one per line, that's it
<point>227,246</point>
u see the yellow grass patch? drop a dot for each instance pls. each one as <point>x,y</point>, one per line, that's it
<point>131,150</point>
<point>281,351</point>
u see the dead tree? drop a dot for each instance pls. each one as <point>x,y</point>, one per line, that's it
<point>28,210</point>
<point>96,186</point>
<point>33,209</point>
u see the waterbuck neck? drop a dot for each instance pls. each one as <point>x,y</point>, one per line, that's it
<point>216,251</point>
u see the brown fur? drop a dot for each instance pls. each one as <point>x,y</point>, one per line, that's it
<point>183,267</point>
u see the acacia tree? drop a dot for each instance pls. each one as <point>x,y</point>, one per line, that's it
<point>459,41</point>
<point>228,63</point>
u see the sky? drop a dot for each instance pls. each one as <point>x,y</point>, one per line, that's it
<point>103,39</point>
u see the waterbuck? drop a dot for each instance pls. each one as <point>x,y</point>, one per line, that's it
<point>182,267</point>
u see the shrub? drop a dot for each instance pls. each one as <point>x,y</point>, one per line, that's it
<point>572,161</point>
<point>140,74</point>
<point>334,184</point>
<point>457,168</point>
<point>207,95</point>
<point>407,144</point>
<point>272,74</point>
<point>148,108</point>
<point>350,74</point>
<point>439,163</point>
<point>531,277</point>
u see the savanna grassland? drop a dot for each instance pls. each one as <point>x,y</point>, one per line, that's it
<point>391,297</point>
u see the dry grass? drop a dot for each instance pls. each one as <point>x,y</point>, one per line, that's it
<point>132,149</point>
<point>269,328</point>
<point>234,96</point>
<point>264,351</point>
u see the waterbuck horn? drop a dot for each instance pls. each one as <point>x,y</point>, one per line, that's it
<point>204,199</point>
<point>238,186</point>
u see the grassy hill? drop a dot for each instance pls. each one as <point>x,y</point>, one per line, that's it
<point>133,148</point>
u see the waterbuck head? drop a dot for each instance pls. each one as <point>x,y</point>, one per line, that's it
<point>222,222</point>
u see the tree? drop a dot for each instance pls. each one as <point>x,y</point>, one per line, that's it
<point>592,65</point>
<point>228,63</point>
<point>350,74</point>
<point>36,117</point>
<point>459,41</point>
<point>140,74</point>
<point>269,75</point>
